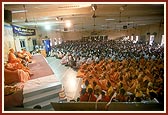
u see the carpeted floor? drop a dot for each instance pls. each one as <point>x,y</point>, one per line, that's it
<point>39,67</point>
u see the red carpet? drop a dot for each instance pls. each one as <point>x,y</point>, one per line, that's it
<point>39,67</point>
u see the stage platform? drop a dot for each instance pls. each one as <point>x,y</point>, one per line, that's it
<point>43,86</point>
<point>41,89</point>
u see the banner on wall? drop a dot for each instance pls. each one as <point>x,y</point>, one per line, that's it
<point>23,31</point>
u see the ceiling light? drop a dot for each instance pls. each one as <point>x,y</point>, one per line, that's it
<point>19,11</point>
<point>26,20</point>
<point>57,18</point>
<point>47,27</point>
<point>73,6</point>
<point>141,24</point>
<point>130,22</point>
<point>108,19</point>
<point>84,5</point>
<point>94,7</point>
<point>121,8</point>
<point>68,24</point>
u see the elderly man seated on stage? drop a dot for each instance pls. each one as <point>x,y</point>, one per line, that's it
<point>27,55</point>
<point>17,58</point>
<point>16,63</point>
<point>12,57</point>
<point>15,71</point>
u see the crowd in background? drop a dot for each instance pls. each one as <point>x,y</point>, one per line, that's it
<point>115,70</point>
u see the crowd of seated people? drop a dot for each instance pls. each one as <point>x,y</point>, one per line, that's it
<point>128,81</point>
<point>116,70</point>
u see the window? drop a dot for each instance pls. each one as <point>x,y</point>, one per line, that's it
<point>34,42</point>
<point>136,39</point>
<point>59,40</point>
<point>22,43</point>
<point>151,39</point>
<point>162,41</point>
<point>132,38</point>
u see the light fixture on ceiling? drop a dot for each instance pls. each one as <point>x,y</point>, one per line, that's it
<point>18,11</point>
<point>110,19</point>
<point>68,24</point>
<point>57,18</point>
<point>61,19</point>
<point>47,27</point>
<point>26,20</point>
<point>73,6</point>
<point>121,8</point>
<point>120,18</point>
<point>94,15</point>
<point>94,7</point>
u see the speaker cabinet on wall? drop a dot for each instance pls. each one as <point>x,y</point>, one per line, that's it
<point>124,27</point>
<point>7,16</point>
<point>65,29</point>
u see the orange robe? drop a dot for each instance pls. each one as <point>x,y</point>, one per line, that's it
<point>80,74</point>
<point>20,55</point>
<point>105,98</point>
<point>15,66</point>
<point>27,55</point>
<point>92,98</point>
<point>103,84</point>
<point>12,58</point>
<point>84,97</point>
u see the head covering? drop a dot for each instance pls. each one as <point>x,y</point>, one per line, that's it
<point>11,49</point>
<point>146,79</point>
<point>150,84</point>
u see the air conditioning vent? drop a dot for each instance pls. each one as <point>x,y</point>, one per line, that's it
<point>69,6</point>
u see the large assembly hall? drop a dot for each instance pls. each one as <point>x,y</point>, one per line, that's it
<point>83,56</point>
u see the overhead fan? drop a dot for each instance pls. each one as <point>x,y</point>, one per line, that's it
<point>122,22</point>
<point>94,19</point>
<point>94,7</point>
<point>120,18</point>
<point>35,23</point>
<point>118,22</point>
<point>32,22</point>
<point>26,20</point>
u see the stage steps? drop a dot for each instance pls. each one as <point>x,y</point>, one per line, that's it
<point>42,96</point>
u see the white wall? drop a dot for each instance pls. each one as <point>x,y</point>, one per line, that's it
<point>7,40</point>
<point>112,34</point>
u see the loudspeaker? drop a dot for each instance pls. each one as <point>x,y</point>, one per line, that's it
<point>124,27</point>
<point>7,16</point>
<point>65,29</point>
